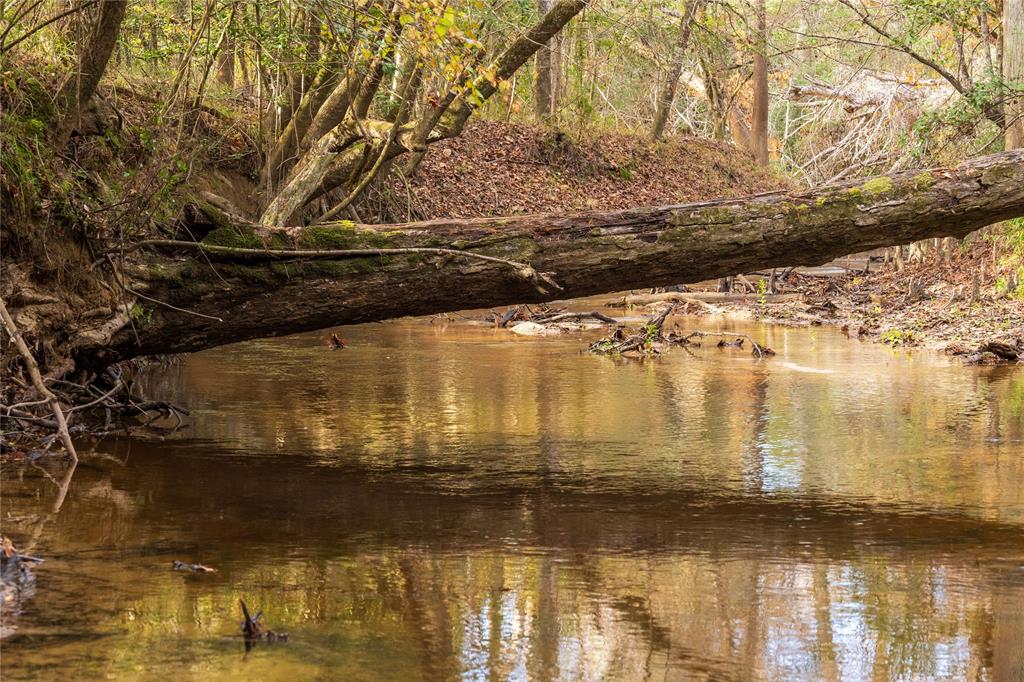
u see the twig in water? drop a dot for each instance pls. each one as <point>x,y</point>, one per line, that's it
<point>649,339</point>
<point>757,350</point>
<point>98,400</point>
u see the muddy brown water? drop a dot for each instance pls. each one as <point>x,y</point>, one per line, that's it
<point>453,502</point>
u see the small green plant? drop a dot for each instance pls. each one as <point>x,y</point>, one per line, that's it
<point>651,333</point>
<point>898,337</point>
<point>141,314</point>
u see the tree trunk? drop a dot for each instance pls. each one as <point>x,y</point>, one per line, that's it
<point>544,90</point>
<point>759,112</point>
<point>226,63</point>
<point>79,87</point>
<point>1013,70</point>
<point>327,165</point>
<point>253,294</point>
<point>668,91</point>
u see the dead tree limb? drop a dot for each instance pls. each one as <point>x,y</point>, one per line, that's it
<point>562,317</point>
<point>37,381</point>
<point>586,253</point>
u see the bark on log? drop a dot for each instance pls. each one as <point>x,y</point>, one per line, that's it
<point>587,253</point>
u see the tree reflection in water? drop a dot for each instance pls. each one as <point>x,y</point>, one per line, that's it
<point>433,505</point>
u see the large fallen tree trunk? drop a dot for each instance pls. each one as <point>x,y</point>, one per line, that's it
<point>245,281</point>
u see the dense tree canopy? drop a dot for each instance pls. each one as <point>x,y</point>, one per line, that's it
<point>331,97</point>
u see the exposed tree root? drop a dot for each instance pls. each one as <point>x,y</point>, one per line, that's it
<point>112,405</point>
<point>37,382</point>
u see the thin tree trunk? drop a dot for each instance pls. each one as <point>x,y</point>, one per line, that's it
<point>1013,70</point>
<point>329,95</point>
<point>759,112</point>
<point>668,91</point>
<point>226,63</point>
<point>544,85</point>
<point>988,54</point>
<point>79,88</point>
<point>715,101</point>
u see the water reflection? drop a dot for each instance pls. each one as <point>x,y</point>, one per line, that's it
<point>439,504</point>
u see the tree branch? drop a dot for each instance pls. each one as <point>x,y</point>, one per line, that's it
<point>37,381</point>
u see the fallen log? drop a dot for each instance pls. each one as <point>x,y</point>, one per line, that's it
<point>198,297</point>
<point>1003,351</point>
<point>702,297</point>
<point>575,317</point>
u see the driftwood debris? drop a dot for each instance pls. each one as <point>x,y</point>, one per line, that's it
<point>543,314</point>
<point>729,340</point>
<point>1004,351</point>
<point>191,568</point>
<point>592,315</point>
<point>993,352</point>
<point>84,408</point>
<point>253,630</point>
<point>60,422</point>
<point>17,583</point>
<point>651,339</point>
